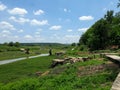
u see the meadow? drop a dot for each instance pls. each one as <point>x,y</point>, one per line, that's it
<point>21,75</point>
<point>12,52</point>
<point>37,74</point>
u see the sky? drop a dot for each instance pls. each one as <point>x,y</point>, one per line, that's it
<point>53,21</point>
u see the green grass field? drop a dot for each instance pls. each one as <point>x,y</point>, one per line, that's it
<point>21,76</point>
<point>7,52</point>
<point>24,69</point>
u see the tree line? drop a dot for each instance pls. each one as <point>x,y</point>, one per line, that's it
<point>16,44</point>
<point>105,33</point>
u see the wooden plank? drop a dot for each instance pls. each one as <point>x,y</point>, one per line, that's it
<point>116,84</point>
<point>114,57</point>
<point>58,60</point>
<point>104,54</point>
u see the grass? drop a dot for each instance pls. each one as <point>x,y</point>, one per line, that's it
<point>67,80</point>
<point>24,69</point>
<point>12,55</point>
<point>14,52</point>
<point>21,75</point>
<point>7,52</point>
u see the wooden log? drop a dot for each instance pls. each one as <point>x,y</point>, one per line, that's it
<point>56,62</point>
<point>114,58</point>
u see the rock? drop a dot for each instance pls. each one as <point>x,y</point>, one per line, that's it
<point>56,62</point>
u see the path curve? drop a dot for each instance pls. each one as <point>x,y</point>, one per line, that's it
<point>18,59</point>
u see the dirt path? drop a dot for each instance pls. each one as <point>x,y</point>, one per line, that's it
<point>18,59</point>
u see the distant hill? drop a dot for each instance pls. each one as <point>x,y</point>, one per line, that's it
<point>42,44</point>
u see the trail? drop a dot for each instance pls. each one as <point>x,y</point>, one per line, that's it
<point>18,59</point>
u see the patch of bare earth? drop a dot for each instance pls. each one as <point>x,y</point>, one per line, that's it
<point>90,70</point>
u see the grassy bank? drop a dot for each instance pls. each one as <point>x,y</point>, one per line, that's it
<point>66,77</point>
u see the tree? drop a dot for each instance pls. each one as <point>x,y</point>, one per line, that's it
<point>104,33</point>
<point>73,44</point>
<point>16,44</point>
<point>10,44</point>
<point>109,16</point>
<point>5,43</point>
<point>118,4</point>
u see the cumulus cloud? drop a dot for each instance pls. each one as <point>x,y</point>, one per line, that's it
<point>39,30</point>
<point>83,29</point>
<point>83,18</point>
<point>71,38</point>
<point>2,7</point>
<point>16,36</point>
<point>6,32</point>
<point>56,27</point>
<point>18,11</point>
<point>20,31</point>
<point>37,33</point>
<point>69,30</point>
<point>35,22</point>
<point>19,20</point>
<point>28,37</point>
<point>38,12</point>
<point>6,26</point>
<point>66,10</point>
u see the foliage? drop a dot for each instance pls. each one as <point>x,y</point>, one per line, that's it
<point>104,33</point>
<point>73,44</point>
<point>118,4</point>
<point>16,44</point>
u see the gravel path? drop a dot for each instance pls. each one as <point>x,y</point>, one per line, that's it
<point>18,59</point>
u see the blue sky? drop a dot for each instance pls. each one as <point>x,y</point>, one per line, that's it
<point>56,21</point>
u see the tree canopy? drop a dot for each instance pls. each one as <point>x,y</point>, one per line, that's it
<point>105,33</point>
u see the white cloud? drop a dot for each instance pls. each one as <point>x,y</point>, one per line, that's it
<point>19,20</point>
<point>6,26</point>
<point>18,11</point>
<point>104,9</point>
<point>83,29</point>
<point>16,36</point>
<point>6,32</point>
<point>38,12</point>
<point>39,30</point>
<point>56,27</point>
<point>83,18</point>
<point>28,37</point>
<point>35,22</point>
<point>69,30</point>
<point>2,7</point>
<point>66,10</point>
<point>37,33</point>
<point>71,38</point>
<point>20,31</point>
